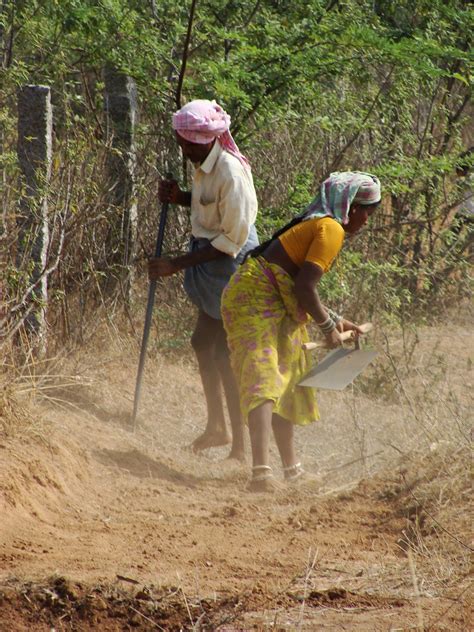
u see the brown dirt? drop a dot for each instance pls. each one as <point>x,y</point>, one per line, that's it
<point>107,528</point>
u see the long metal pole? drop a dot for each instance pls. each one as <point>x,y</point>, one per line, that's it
<point>149,310</point>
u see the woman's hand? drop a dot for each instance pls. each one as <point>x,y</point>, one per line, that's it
<point>161,267</point>
<point>347,325</point>
<point>333,339</point>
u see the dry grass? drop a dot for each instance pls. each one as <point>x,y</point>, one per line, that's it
<point>17,418</point>
<point>430,494</point>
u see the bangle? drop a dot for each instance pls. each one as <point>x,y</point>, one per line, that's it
<point>323,322</point>
<point>327,326</point>
<point>335,316</point>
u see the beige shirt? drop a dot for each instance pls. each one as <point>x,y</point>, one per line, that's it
<point>223,201</point>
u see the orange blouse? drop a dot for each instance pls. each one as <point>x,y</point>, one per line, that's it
<point>317,240</point>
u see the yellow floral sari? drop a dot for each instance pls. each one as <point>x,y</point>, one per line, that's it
<point>265,330</point>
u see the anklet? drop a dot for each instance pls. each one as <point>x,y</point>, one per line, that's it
<point>293,472</point>
<point>267,472</point>
<point>289,468</point>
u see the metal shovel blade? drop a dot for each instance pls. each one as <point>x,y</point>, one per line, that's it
<point>338,369</point>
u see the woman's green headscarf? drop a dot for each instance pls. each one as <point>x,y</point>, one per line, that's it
<point>339,191</point>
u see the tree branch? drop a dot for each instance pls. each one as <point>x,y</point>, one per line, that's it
<point>184,58</point>
<point>352,140</point>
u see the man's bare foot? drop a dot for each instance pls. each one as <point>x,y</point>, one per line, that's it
<point>237,454</point>
<point>211,439</point>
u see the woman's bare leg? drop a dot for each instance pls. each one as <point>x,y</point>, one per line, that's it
<point>283,431</point>
<point>260,425</point>
<point>203,341</point>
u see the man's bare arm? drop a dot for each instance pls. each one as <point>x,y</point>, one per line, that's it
<point>162,266</point>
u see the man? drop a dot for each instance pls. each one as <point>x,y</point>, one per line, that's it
<point>223,211</point>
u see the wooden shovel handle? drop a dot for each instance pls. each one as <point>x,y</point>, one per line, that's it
<point>365,328</point>
<point>346,335</point>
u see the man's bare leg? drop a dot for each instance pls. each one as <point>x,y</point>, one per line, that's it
<point>232,396</point>
<point>203,341</point>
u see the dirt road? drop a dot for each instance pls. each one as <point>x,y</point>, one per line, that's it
<point>104,528</point>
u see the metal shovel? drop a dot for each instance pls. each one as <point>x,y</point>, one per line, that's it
<point>341,366</point>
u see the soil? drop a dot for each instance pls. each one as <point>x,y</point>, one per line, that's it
<point>108,527</point>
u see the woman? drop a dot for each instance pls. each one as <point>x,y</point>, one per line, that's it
<point>265,308</point>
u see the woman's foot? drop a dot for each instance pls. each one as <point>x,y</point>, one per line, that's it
<point>296,476</point>
<point>293,472</point>
<point>269,486</point>
<point>262,480</point>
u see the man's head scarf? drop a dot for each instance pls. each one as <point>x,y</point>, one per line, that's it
<point>339,191</point>
<point>202,121</point>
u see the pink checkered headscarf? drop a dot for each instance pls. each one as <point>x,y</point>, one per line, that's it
<point>202,121</point>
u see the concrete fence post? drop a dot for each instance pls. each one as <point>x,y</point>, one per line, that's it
<point>121,114</point>
<point>35,122</point>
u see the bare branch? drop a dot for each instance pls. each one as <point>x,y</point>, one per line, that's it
<point>184,58</point>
